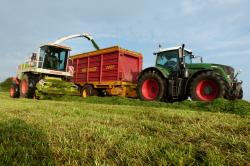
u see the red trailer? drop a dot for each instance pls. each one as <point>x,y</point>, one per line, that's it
<point>113,71</point>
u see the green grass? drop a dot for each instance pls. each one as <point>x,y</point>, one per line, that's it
<point>5,85</point>
<point>119,131</point>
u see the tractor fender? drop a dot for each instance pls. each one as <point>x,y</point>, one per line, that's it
<point>162,71</point>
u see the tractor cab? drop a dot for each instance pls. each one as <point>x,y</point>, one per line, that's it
<point>173,58</point>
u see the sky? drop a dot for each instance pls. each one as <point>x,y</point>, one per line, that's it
<point>217,30</point>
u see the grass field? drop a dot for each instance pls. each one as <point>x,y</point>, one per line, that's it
<point>119,131</point>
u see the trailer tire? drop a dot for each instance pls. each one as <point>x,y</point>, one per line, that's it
<point>151,86</point>
<point>88,90</point>
<point>208,86</point>
<point>27,86</point>
<point>14,91</point>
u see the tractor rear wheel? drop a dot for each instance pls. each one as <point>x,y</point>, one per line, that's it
<point>14,91</point>
<point>27,86</point>
<point>151,86</point>
<point>208,86</point>
<point>88,90</point>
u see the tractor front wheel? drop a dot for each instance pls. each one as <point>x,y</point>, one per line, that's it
<point>151,86</point>
<point>208,86</point>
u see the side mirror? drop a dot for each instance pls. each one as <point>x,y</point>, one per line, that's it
<point>33,56</point>
<point>70,62</point>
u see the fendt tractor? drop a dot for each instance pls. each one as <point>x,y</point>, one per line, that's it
<point>47,72</point>
<point>175,78</point>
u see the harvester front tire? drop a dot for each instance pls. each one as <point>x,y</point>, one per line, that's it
<point>208,86</point>
<point>14,91</point>
<point>151,86</point>
<point>27,87</point>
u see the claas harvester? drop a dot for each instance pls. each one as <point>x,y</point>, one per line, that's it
<point>47,72</point>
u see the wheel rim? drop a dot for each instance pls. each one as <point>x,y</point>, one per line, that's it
<point>84,93</point>
<point>150,89</point>
<point>207,90</point>
<point>24,87</point>
<point>12,91</point>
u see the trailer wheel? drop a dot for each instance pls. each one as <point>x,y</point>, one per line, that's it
<point>27,86</point>
<point>88,90</point>
<point>208,86</point>
<point>151,86</point>
<point>14,91</point>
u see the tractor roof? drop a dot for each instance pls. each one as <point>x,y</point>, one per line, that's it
<point>56,45</point>
<point>171,49</point>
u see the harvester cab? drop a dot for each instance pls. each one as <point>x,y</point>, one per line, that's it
<point>53,57</point>
<point>175,77</point>
<point>47,72</point>
<point>50,59</point>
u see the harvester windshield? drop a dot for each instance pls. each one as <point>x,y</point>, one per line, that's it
<point>53,58</point>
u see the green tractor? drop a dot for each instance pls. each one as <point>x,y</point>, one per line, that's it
<point>176,78</point>
<point>47,72</point>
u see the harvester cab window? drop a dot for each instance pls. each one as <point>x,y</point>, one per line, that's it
<point>54,58</point>
<point>168,59</point>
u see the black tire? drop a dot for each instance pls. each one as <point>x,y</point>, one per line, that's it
<point>240,94</point>
<point>151,86</point>
<point>88,90</point>
<point>27,86</point>
<point>208,86</point>
<point>14,91</point>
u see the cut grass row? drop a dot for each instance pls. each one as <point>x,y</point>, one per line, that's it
<point>118,131</point>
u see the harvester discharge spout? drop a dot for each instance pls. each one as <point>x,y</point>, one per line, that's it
<point>85,35</point>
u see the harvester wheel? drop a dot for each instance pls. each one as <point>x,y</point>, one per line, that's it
<point>14,91</point>
<point>151,86</point>
<point>88,90</point>
<point>27,87</point>
<point>208,86</point>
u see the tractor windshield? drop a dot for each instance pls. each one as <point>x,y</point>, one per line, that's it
<point>168,59</point>
<point>188,57</point>
<point>53,58</point>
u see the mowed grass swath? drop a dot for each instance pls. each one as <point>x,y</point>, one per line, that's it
<point>120,131</point>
